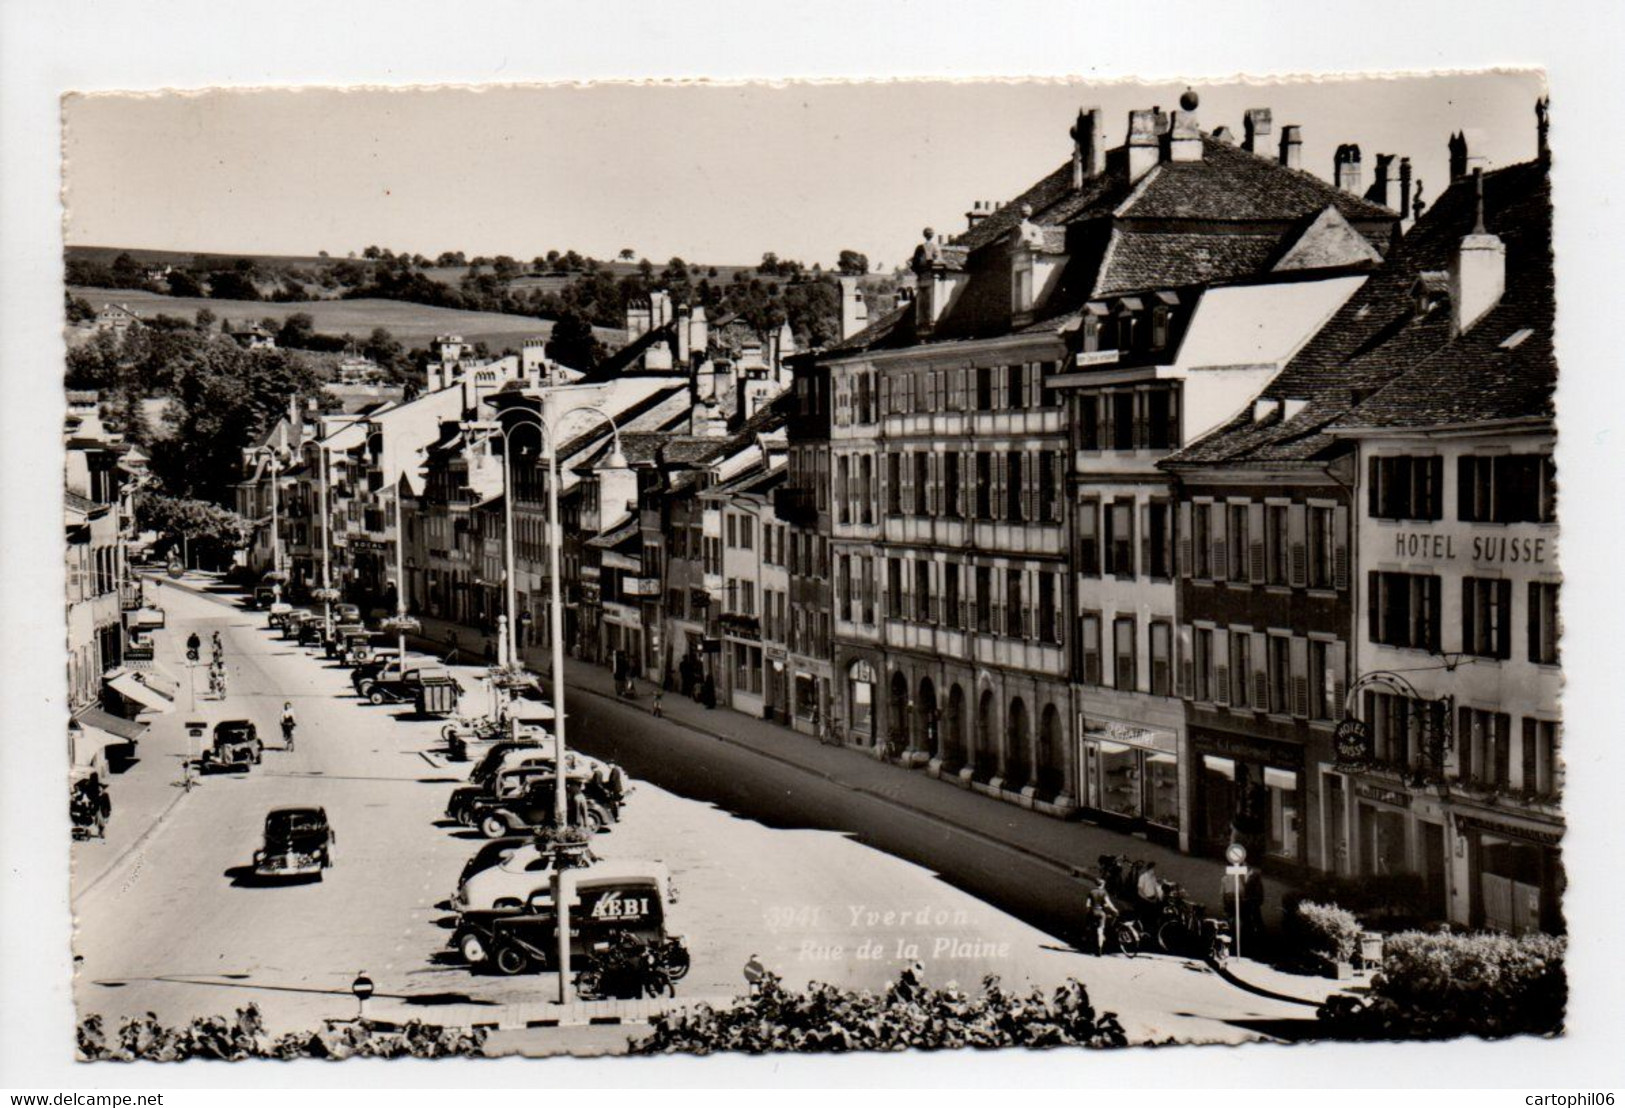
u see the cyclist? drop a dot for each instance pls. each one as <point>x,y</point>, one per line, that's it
<point>193,645</point>
<point>288,724</point>
<point>1101,913</point>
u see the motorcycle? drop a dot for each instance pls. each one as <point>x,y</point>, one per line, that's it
<point>626,969</point>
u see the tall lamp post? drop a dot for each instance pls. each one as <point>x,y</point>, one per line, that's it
<point>274,459</point>
<point>555,540</point>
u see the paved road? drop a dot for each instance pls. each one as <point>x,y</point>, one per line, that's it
<point>769,861</point>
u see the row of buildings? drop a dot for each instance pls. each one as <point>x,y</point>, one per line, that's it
<point>1188,492</point>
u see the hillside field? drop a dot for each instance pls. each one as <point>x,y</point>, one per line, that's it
<point>414,325</point>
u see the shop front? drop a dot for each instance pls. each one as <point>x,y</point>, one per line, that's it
<point>861,688</point>
<point>1517,875</point>
<point>1248,790</point>
<point>1131,775</point>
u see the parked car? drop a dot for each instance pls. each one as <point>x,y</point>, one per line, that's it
<point>298,843</point>
<point>464,801</point>
<point>523,876</point>
<point>264,597</point>
<point>311,631</point>
<point>612,898</point>
<point>294,620</point>
<point>347,613</point>
<point>533,808</point>
<point>236,745</point>
<point>432,688</point>
<point>278,614</point>
<point>365,673</point>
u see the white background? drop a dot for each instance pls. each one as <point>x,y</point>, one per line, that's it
<point>47,48</point>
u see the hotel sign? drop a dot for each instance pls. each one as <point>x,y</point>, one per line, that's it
<point>1488,549</point>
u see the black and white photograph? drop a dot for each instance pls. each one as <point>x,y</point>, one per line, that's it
<point>810,568</point>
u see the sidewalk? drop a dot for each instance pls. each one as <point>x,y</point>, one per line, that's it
<point>1072,847</point>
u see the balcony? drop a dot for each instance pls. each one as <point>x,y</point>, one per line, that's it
<point>640,586</point>
<point>796,506</point>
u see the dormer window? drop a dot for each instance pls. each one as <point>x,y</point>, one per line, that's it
<point>1021,283</point>
<point>1159,327</point>
<point>1091,333</point>
<point>1432,288</point>
<point>1128,323</point>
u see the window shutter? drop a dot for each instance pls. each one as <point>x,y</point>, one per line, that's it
<point>1255,542</point>
<point>1185,561</point>
<point>1261,671</point>
<point>1297,526</point>
<point>1433,639</point>
<point>967,480</point>
<point>1373,606</point>
<point>1469,616</point>
<point>906,471</point>
<point>1503,625</point>
<point>1108,538</point>
<point>1059,601</point>
<point>1183,662</point>
<point>1140,404</point>
<point>1373,503</point>
<point>1340,547</point>
<point>1532,619</point>
<point>1029,600</point>
<point>1221,666</point>
<point>1029,484</point>
<point>1299,651</point>
<point>1145,539</point>
<point>1000,475</point>
<point>1435,488</point>
<point>885,394</point>
<point>1337,660</point>
<point>1219,528</point>
<point>1103,412</point>
<point>933,470</point>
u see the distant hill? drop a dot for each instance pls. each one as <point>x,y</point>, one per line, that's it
<point>104,255</point>
<point>414,325</point>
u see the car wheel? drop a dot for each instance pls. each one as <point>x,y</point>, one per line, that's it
<point>472,948</point>
<point>493,827</point>
<point>595,820</point>
<point>376,696</point>
<point>511,961</point>
<point>589,984</point>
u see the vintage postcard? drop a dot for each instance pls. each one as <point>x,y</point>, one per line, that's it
<point>629,569</point>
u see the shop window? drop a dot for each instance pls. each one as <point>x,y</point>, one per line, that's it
<point>1284,816</point>
<point>1404,610</point>
<point>1542,619</point>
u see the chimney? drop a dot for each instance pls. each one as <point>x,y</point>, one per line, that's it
<point>682,335</point>
<point>854,312</point>
<point>1292,146</point>
<point>1478,271</point>
<point>979,210</point>
<point>1184,135</point>
<point>1346,168</point>
<point>1405,188</point>
<point>1088,146</point>
<point>699,331</point>
<point>1144,142</point>
<point>1543,108</point>
<point>1255,128</point>
<point>1462,159</point>
<point>1378,192</point>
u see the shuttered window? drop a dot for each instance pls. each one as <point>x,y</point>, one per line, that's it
<point>1486,617</point>
<point>1123,647</point>
<point>1089,538</point>
<point>1091,648</point>
<point>1162,658</point>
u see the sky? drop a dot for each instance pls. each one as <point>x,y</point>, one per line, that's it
<point>715,174</point>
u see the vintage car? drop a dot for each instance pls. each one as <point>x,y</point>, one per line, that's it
<point>298,843</point>
<point>278,614</point>
<point>465,800</point>
<point>338,643</point>
<point>496,816</point>
<point>521,876</point>
<point>294,620</point>
<point>609,898</point>
<point>236,745</point>
<point>356,646</point>
<point>311,631</point>
<point>347,614</point>
<point>264,597</point>
<point>363,674</point>
<point>431,688</point>
<point>491,762</point>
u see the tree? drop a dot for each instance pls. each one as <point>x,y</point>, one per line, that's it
<point>852,263</point>
<point>204,319</point>
<point>573,342</point>
<point>627,254</point>
<point>505,267</point>
<point>127,274</point>
<point>382,348</point>
<point>79,309</point>
<point>182,283</point>
<point>296,331</point>
<point>371,253</point>
<point>231,284</point>
<point>209,532</point>
<point>770,265</point>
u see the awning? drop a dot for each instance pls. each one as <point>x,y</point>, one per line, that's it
<point>1280,778</point>
<point>117,728</point>
<point>155,676</point>
<point>130,685</point>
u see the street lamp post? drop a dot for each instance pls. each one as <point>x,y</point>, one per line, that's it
<point>327,580</point>
<point>555,537</point>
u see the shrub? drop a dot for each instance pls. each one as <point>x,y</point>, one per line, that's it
<point>908,1015</point>
<point>1326,930</point>
<point>234,1039</point>
<point>1390,901</point>
<point>1439,986</point>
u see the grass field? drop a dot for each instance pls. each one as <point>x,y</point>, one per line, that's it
<point>414,325</point>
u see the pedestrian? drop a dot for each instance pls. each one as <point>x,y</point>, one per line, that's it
<point>1252,904</point>
<point>708,692</point>
<point>656,709</point>
<point>288,724</point>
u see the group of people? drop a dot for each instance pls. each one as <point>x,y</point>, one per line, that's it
<point>217,661</point>
<point>696,684</point>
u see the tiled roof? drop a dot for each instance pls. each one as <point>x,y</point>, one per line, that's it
<point>1382,363</point>
<point>1144,260</point>
<point>894,325</point>
<point>1231,184</point>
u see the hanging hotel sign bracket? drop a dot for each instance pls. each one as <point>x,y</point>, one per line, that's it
<point>1353,741</point>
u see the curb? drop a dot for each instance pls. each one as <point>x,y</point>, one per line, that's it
<point>140,841</point>
<point>1223,970</point>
